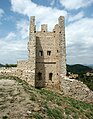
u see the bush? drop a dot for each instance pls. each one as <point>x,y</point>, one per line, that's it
<point>10,65</point>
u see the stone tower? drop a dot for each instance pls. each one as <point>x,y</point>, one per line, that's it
<point>47,54</point>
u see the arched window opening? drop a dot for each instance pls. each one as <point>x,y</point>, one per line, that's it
<point>40,53</point>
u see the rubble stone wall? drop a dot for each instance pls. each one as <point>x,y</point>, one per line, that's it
<point>76,89</point>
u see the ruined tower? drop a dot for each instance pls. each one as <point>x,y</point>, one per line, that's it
<point>47,54</point>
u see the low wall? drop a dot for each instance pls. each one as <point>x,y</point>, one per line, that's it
<point>23,74</point>
<point>22,64</point>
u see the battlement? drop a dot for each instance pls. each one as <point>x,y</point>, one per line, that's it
<point>44,28</point>
<point>57,27</point>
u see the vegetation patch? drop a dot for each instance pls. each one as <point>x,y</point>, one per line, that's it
<point>88,80</point>
<point>38,116</point>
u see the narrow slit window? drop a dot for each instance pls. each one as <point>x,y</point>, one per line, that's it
<point>48,53</point>
<point>39,76</point>
<point>50,76</point>
<point>40,53</point>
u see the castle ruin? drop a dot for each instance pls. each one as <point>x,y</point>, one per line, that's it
<point>47,55</point>
<point>46,64</point>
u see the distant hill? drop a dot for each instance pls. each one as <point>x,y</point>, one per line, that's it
<point>8,65</point>
<point>90,65</point>
<point>1,65</point>
<point>78,68</point>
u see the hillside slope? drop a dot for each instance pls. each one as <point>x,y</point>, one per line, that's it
<point>18,100</point>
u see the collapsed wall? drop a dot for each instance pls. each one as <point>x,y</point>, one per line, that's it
<point>76,89</point>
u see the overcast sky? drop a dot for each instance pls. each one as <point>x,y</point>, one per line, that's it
<point>14,27</point>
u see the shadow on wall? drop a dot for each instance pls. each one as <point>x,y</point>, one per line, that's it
<point>40,67</point>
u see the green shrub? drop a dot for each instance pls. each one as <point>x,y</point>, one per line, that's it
<point>38,116</point>
<point>5,117</point>
<point>54,113</point>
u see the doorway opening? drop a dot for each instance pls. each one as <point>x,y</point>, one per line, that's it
<point>39,76</point>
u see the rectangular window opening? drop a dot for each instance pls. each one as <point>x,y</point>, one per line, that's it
<point>40,53</point>
<point>50,76</point>
<point>48,53</point>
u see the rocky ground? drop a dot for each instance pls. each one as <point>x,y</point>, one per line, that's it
<point>18,100</point>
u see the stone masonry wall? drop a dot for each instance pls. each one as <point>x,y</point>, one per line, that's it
<point>46,63</point>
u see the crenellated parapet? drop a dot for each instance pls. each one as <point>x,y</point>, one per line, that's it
<point>44,28</point>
